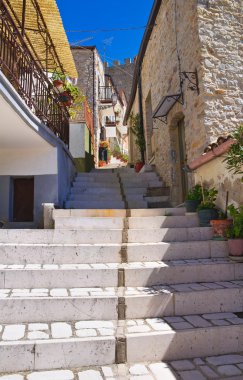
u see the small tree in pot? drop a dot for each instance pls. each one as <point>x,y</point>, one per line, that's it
<point>137,130</point>
<point>235,232</point>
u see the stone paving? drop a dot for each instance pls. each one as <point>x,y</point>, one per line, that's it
<point>58,292</point>
<point>60,266</point>
<point>222,367</point>
<point>57,330</point>
<point>182,322</point>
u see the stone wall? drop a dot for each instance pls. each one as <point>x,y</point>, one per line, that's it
<point>191,35</point>
<point>220,32</point>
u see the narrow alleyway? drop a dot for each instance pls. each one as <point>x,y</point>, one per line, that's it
<point>124,287</point>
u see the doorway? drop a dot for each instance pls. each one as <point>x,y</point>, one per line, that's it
<point>23,199</point>
<point>182,157</point>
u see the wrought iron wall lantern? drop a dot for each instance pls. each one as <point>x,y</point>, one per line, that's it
<point>192,78</point>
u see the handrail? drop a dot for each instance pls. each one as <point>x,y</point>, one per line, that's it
<point>29,80</point>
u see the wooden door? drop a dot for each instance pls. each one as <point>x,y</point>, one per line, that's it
<point>23,199</point>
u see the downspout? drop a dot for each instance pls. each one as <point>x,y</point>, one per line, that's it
<point>140,101</point>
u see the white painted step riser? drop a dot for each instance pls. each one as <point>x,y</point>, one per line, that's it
<point>23,310</point>
<point>59,254</point>
<point>91,254</point>
<point>95,191</point>
<point>41,355</point>
<point>133,223</point>
<point>18,279</point>
<point>177,251</point>
<point>182,274</point>
<point>90,181</point>
<point>60,236</point>
<point>122,213</point>
<point>82,185</point>
<point>95,204</point>
<point>94,198</point>
<point>184,344</point>
<point>184,303</point>
<point>170,235</point>
<point>89,223</point>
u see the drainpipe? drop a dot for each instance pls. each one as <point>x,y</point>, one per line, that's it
<point>140,101</point>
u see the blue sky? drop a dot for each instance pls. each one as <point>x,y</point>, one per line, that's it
<point>106,14</point>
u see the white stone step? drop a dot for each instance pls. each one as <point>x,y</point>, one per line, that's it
<point>147,175</point>
<point>154,235</point>
<point>120,212</point>
<point>95,204</point>
<point>58,236</point>
<point>137,204</point>
<point>98,174</point>
<point>109,253</point>
<point>96,191</point>
<point>100,179</point>
<point>57,304</point>
<point>94,197</point>
<point>200,368</point>
<point>131,222</point>
<point>54,345</point>
<point>183,337</point>
<point>181,271</point>
<point>183,299</point>
<point>158,371</point>
<point>59,253</point>
<point>154,199</point>
<point>162,251</point>
<point>86,185</point>
<point>55,276</point>
<point>92,223</point>
<point>141,183</point>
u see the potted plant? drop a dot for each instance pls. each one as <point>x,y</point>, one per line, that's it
<point>235,232</point>
<point>207,208</point>
<point>102,163</point>
<point>193,198</point>
<point>221,225</point>
<point>137,130</point>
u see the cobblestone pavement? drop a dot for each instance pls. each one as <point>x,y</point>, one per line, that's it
<point>223,367</point>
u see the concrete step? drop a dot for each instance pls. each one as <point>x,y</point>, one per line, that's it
<point>157,199</point>
<point>154,235</point>
<point>59,235</point>
<point>95,197</point>
<point>54,344</point>
<point>55,276</point>
<point>99,184</point>
<point>101,180</point>
<point>57,304</point>
<point>137,204</point>
<point>194,368</point>
<point>59,253</point>
<point>128,223</point>
<point>95,204</point>
<point>151,192</point>
<point>181,271</point>
<point>120,213</point>
<point>183,299</point>
<point>95,174</point>
<point>147,175</point>
<point>109,253</point>
<point>183,337</point>
<point>141,183</point>
<point>94,191</point>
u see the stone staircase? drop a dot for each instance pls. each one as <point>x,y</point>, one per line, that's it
<point>117,189</point>
<point>128,293</point>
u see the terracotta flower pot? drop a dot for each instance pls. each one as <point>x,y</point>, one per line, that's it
<point>138,166</point>
<point>220,226</point>
<point>235,247</point>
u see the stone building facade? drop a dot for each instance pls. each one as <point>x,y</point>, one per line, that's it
<point>90,77</point>
<point>193,36</point>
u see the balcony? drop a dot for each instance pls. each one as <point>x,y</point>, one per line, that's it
<point>106,94</point>
<point>28,78</point>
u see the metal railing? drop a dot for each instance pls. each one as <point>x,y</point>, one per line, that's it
<point>28,78</point>
<point>105,94</point>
